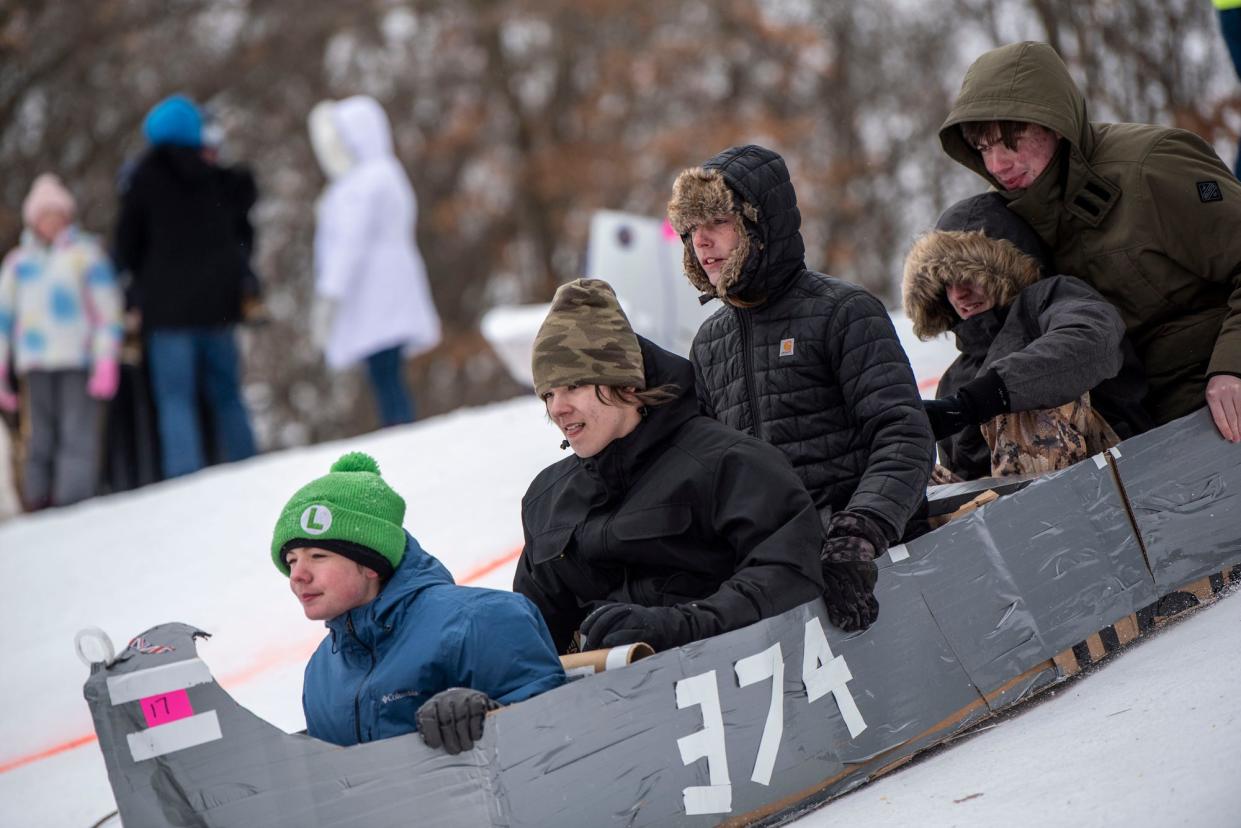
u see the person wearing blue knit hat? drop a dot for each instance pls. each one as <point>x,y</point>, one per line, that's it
<point>179,237</point>
<point>175,121</point>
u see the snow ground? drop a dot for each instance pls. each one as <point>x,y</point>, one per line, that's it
<point>1151,738</point>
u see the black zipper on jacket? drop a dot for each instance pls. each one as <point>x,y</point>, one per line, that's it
<point>357,697</point>
<point>747,365</point>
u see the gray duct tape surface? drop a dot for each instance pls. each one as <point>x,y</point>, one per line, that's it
<point>1185,492</point>
<point>732,728</point>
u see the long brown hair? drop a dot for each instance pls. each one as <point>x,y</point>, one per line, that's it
<point>646,398</point>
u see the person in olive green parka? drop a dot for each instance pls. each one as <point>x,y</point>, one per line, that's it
<point>1148,215</point>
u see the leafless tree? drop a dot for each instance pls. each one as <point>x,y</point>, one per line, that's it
<point>517,118</point>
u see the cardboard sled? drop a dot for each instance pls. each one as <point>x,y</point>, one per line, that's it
<point>975,617</point>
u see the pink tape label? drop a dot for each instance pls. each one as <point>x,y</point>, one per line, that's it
<point>167,707</point>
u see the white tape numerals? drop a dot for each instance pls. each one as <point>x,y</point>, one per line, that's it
<point>716,798</point>
<point>823,673</point>
<point>769,664</point>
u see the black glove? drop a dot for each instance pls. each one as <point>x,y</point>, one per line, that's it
<point>979,400</point>
<point>453,718</point>
<point>613,625</point>
<point>849,571</point>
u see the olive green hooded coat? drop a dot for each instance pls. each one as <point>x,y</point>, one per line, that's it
<point>1149,216</point>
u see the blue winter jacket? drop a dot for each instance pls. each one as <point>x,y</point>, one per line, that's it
<point>420,635</point>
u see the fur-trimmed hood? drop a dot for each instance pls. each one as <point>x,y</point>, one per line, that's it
<point>751,183</point>
<point>939,260</point>
<point>698,196</point>
<point>944,257</point>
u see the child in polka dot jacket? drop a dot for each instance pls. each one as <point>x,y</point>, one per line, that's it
<point>60,330</point>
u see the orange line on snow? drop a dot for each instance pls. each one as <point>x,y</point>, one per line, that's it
<point>479,572</point>
<point>274,656</point>
<point>44,754</point>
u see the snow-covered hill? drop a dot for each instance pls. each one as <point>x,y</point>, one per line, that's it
<point>1151,738</point>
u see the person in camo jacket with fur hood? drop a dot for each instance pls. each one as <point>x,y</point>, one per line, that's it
<point>1046,376</point>
<point>807,362</point>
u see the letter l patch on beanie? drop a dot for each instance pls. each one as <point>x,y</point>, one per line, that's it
<point>316,520</point>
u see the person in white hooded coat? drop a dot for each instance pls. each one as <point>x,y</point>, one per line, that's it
<point>374,303</point>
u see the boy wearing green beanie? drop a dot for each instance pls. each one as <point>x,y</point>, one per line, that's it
<point>407,648</point>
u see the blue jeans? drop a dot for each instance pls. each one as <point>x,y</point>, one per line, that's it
<point>183,361</point>
<point>396,406</point>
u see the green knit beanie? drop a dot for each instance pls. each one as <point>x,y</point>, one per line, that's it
<point>350,511</point>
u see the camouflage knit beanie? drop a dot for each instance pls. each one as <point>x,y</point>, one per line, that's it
<point>586,339</point>
<point>699,195</point>
<point>350,511</point>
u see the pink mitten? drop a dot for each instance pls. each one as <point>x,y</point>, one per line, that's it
<point>8,400</point>
<point>104,379</point>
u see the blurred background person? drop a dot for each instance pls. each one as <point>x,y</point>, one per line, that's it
<point>177,235</point>
<point>240,193</point>
<point>60,314</point>
<point>373,302</point>
<point>1230,28</point>
<point>131,436</point>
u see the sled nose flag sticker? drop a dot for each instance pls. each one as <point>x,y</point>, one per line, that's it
<point>172,723</point>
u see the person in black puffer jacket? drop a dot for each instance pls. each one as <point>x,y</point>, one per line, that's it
<point>804,361</point>
<point>1040,355</point>
<point>665,526</point>
<point>178,236</point>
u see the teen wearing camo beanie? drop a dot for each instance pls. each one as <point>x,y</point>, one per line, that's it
<point>670,526</point>
<point>407,648</point>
